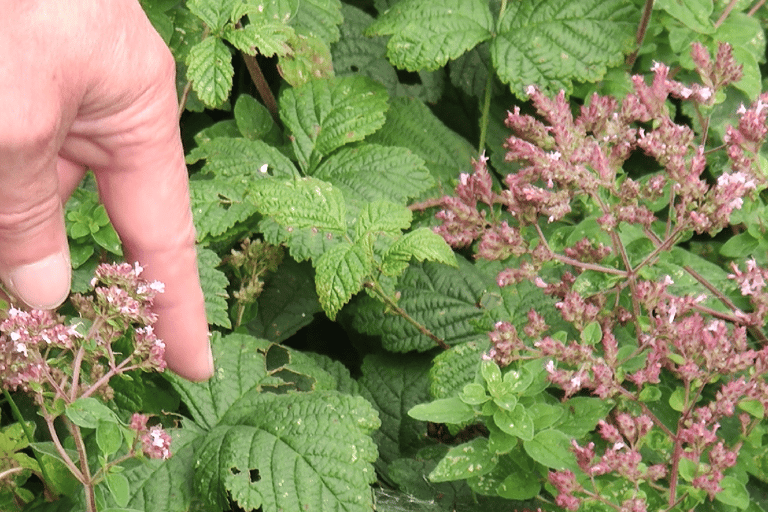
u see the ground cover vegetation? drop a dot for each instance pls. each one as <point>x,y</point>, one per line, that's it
<point>479,255</point>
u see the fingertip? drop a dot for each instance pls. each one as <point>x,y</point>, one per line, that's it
<point>43,284</point>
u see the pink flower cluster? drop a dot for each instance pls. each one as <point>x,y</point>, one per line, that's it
<point>155,441</point>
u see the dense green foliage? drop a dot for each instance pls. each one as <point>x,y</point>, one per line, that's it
<point>349,335</point>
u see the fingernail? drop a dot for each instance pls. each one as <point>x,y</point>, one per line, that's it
<point>43,284</point>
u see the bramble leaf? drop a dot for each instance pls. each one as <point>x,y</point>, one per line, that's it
<point>217,206</point>
<point>292,451</point>
<point>323,115</point>
<point>312,17</point>
<point>455,368</point>
<point>241,159</point>
<point>394,384</point>
<point>209,68</point>
<point>421,244</point>
<point>371,172</point>
<point>341,272</point>
<point>301,203</point>
<point>552,43</point>
<point>215,13</point>
<point>309,59</point>
<point>262,34</point>
<point>382,217</point>
<point>214,284</point>
<point>411,124</point>
<point>428,33</point>
<point>443,299</point>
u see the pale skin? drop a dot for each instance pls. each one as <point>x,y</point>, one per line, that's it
<point>89,84</point>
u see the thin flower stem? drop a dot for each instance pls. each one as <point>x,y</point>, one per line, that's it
<point>726,12</point>
<point>11,471</point>
<point>376,288</point>
<point>755,7</point>
<point>423,205</point>
<point>667,244</point>
<point>184,97</point>
<point>576,263</point>
<point>61,451</point>
<point>121,368</point>
<point>642,28</point>
<point>27,433</point>
<point>262,86</point>
<point>76,373</point>
<point>87,480</point>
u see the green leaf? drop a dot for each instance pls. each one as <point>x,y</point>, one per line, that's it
<point>209,68</point>
<point>255,123</point>
<point>288,452</point>
<point>323,115</point>
<point>287,303</point>
<point>382,217</point>
<point>264,36</point>
<point>394,384</point>
<point>426,34</point>
<point>119,488</point>
<point>694,14</point>
<point>734,493</point>
<point>240,370</point>
<point>217,206</point>
<point>474,394</point>
<point>60,478</point>
<point>109,437</point>
<point>309,59</point>
<point>754,407</point>
<point>455,368</point>
<point>88,412</point>
<point>214,13</point>
<point>302,203</point>
<point>355,53</point>
<point>421,244</point>
<point>464,461</point>
<point>439,297</point>
<point>214,284</point>
<point>241,160</point>
<point>371,172</point>
<point>677,399</point>
<point>316,17</point>
<point>551,448</point>
<point>582,416</point>
<point>592,333</point>
<point>445,410</point>
<point>516,423</point>
<point>107,238</point>
<point>520,485</point>
<point>552,43</point>
<point>341,273</point>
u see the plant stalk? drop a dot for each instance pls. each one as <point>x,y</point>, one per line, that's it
<point>642,28</point>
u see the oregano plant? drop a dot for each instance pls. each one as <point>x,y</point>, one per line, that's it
<point>457,255</point>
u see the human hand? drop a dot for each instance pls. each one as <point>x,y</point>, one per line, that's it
<point>90,84</point>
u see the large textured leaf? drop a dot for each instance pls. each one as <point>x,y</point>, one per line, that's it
<point>455,368</point>
<point>240,369</point>
<point>319,18</point>
<point>382,217</point>
<point>410,124</point>
<point>165,484</point>
<point>214,283</point>
<point>444,299</point>
<point>356,53</point>
<point>217,205</point>
<point>292,452</point>
<point>209,68</point>
<point>288,302</point>
<point>242,159</point>
<point>341,272</point>
<point>301,203</point>
<point>264,35</point>
<point>303,244</point>
<point>427,33</point>
<point>372,172</point>
<point>394,384</point>
<point>323,115</point>
<point>552,43</point>
<point>214,13</point>
<point>421,244</point>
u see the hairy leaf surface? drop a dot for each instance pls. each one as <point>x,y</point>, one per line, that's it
<point>443,299</point>
<point>323,115</point>
<point>217,206</point>
<point>341,272</point>
<point>427,33</point>
<point>209,68</point>
<point>214,284</point>
<point>371,172</point>
<point>552,43</point>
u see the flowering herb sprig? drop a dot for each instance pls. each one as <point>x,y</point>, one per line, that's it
<point>65,364</point>
<point>636,338</point>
